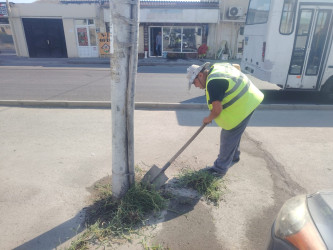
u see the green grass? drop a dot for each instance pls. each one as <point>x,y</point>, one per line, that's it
<point>108,218</point>
<point>206,184</point>
<point>153,247</point>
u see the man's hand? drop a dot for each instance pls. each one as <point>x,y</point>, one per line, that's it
<point>207,120</point>
<point>217,109</point>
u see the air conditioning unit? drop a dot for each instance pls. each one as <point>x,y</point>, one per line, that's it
<point>235,11</point>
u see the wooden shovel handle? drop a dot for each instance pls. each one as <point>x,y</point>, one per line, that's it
<point>183,148</point>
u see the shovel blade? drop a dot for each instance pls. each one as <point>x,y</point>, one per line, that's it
<point>155,177</point>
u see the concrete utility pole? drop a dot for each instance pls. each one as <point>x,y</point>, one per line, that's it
<point>124,33</point>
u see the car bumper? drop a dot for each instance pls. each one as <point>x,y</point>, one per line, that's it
<point>276,243</point>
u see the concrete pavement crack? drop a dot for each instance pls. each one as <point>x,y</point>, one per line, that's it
<point>284,187</point>
<point>282,180</point>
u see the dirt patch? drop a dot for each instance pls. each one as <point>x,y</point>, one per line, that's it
<point>188,224</point>
<point>95,193</point>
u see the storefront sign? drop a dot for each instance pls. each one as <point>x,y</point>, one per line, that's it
<point>3,9</point>
<point>104,43</point>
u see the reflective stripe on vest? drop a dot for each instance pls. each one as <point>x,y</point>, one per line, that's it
<point>238,81</point>
<point>235,106</point>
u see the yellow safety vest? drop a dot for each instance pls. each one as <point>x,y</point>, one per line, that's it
<point>240,99</point>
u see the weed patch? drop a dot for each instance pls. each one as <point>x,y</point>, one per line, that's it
<point>108,218</point>
<point>206,184</point>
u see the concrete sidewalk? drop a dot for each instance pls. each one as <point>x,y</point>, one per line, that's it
<point>50,158</point>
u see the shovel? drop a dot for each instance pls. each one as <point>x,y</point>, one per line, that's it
<point>156,175</point>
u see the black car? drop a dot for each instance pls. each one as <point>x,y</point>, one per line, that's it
<point>304,222</point>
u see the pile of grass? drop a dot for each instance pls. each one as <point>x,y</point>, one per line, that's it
<point>108,218</point>
<point>206,184</point>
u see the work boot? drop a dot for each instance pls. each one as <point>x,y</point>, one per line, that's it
<point>235,159</point>
<point>214,171</point>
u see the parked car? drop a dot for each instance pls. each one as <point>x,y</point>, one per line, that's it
<point>304,222</point>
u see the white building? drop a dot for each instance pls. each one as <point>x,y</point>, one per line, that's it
<point>70,28</point>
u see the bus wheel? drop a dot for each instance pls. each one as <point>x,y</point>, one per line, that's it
<point>327,91</point>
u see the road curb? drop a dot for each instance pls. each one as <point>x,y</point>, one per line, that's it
<point>148,105</point>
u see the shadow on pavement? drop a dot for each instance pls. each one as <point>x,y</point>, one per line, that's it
<point>56,236</point>
<point>179,205</point>
<point>294,97</point>
<point>199,99</point>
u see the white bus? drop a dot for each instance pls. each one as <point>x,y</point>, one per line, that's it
<point>288,43</point>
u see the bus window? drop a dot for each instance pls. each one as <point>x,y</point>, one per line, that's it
<point>288,17</point>
<point>301,40</point>
<point>258,11</point>
<point>318,42</point>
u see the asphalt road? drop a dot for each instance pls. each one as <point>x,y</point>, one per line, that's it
<point>166,84</point>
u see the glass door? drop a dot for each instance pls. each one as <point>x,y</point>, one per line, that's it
<point>311,39</point>
<point>155,41</point>
<point>86,38</point>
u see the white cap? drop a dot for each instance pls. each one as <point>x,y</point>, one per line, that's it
<point>193,71</point>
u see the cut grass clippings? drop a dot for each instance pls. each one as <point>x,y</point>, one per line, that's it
<point>108,218</point>
<point>206,184</point>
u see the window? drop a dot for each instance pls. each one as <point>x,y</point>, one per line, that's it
<point>318,42</point>
<point>4,21</point>
<point>80,21</point>
<point>107,27</point>
<point>288,17</point>
<point>86,32</point>
<point>258,11</point>
<point>92,36</point>
<point>181,39</point>
<point>301,40</point>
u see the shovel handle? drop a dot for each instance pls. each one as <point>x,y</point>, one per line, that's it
<point>183,148</point>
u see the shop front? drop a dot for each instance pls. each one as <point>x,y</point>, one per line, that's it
<point>182,39</point>
<point>182,26</point>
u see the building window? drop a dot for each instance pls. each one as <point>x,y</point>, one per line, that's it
<point>107,27</point>
<point>181,39</point>
<point>81,22</point>
<point>86,32</point>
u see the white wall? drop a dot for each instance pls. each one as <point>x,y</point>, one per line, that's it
<point>224,31</point>
<point>66,12</point>
<point>70,35</point>
<point>44,9</point>
<point>226,4</point>
<point>160,15</point>
<point>19,37</point>
<point>228,28</point>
